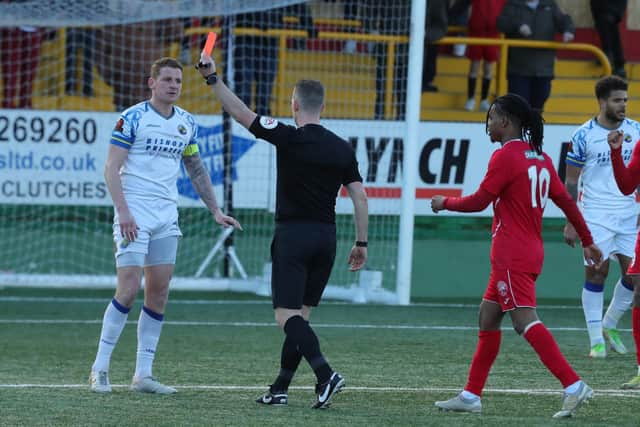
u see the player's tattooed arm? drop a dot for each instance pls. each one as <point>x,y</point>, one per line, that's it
<point>572,189</point>
<point>571,180</point>
<point>200,180</point>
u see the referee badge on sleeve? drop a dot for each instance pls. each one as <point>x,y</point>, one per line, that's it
<point>268,122</point>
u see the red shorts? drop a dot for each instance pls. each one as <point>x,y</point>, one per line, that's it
<point>478,52</point>
<point>511,289</point>
<point>634,268</point>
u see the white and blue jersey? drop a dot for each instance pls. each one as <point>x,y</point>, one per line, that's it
<point>156,146</point>
<point>591,153</point>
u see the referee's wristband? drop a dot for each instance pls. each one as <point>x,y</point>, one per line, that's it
<point>211,79</point>
<point>361,244</point>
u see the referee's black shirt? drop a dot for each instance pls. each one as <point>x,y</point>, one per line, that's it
<point>312,163</point>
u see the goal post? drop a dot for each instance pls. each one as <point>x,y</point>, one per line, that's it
<point>62,102</point>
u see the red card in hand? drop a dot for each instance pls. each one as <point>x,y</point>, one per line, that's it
<point>210,43</point>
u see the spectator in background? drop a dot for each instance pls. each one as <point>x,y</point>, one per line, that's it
<point>530,70</point>
<point>607,15</point>
<point>482,23</point>
<point>350,13</point>
<point>380,17</point>
<point>255,58</point>
<point>185,44</point>
<point>19,55</point>
<point>79,38</point>
<point>459,16</point>
<point>437,22</point>
<point>123,53</point>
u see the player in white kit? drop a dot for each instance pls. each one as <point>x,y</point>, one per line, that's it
<point>147,146</point>
<point>611,216</point>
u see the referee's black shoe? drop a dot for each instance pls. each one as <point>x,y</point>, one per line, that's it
<point>279,398</point>
<point>326,391</point>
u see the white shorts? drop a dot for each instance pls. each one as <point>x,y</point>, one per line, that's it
<point>613,234</point>
<point>156,219</point>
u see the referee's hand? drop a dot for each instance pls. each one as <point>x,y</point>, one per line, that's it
<point>357,258</point>
<point>206,66</point>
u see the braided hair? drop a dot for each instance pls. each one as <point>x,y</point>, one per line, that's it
<point>518,110</point>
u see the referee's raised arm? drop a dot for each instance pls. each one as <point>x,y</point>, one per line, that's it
<point>230,102</point>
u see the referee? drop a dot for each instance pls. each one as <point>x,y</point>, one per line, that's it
<point>312,164</point>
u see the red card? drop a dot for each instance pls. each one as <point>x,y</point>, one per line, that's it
<point>210,43</point>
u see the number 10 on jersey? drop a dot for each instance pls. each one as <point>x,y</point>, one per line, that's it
<point>539,186</point>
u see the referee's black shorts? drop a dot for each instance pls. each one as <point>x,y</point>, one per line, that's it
<point>302,256</point>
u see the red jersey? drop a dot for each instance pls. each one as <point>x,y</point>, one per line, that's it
<point>627,177</point>
<point>519,182</point>
<point>483,17</point>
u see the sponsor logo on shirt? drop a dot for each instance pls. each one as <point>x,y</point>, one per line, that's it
<point>533,155</point>
<point>268,122</point>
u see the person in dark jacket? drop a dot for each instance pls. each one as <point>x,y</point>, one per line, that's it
<point>607,15</point>
<point>256,57</point>
<point>379,18</point>
<point>437,21</point>
<point>530,70</point>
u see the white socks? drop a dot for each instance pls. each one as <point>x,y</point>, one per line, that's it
<point>592,303</point>
<point>621,302</point>
<point>115,317</point>
<point>149,328</point>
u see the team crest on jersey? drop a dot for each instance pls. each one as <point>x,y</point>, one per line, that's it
<point>627,137</point>
<point>119,124</point>
<point>182,130</point>
<point>268,122</point>
<point>502,288</point>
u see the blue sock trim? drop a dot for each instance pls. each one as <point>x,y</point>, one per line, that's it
<point>593,287</point>
<point>626,285</point>
<point>159,317</point>
<point>121,308</point>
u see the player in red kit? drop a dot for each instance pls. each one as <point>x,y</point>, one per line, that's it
<point>519,181</point>
<point>628,179</point>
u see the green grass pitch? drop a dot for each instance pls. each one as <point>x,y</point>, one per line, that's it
<point>221,351</point>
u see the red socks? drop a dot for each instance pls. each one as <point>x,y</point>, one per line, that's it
<point>486,353</point>
<point>549,353</point>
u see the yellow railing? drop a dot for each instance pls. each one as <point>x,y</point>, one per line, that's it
<point>504,44</point>
<point>283,35</point>
<point>392,41</point>
<point>334,22</point>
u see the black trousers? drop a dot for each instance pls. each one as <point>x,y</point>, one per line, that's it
<point>606,17</point>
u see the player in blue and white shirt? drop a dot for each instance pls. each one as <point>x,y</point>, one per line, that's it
<point>611,216</point>
<point>147,145</point>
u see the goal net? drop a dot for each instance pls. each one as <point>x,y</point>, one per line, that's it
<point>69,67</point>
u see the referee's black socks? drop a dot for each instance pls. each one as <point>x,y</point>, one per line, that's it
<point>301,334</point>
<point>289,361</point>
